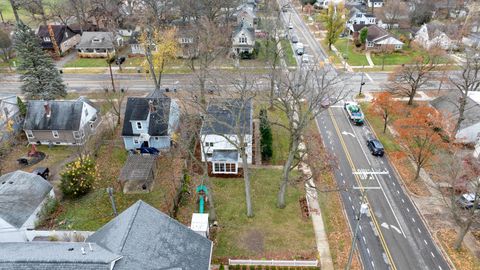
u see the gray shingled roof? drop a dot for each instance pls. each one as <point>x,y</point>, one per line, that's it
<point>149,239</point>
<point>105,40</point>
<point>224,116</point>
<point>54,255</point>
<point>138,109</point>
<point>137,168</point>
<point>448,104</point>
<point>65,115</point>
<point>20,194</point>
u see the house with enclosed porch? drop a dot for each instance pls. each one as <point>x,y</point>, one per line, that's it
<point>223,121</point>
<point>97,44</point>
<point>22,197</point>
<point>141,237</point>
<point>11,119</point>
<point>243,40</point>
<point>60,122</point>
<point>150,121</point>
<point>360,17</point>
<point>64,38</point>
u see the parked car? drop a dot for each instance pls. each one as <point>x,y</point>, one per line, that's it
<point>375,147</point>
<point>294,39</point>
<point>290,26</point>
<point>467,200</point>
<point>305,59</point>
<point>326,102</point>
<point>284,9</point>
<point>44,172</point>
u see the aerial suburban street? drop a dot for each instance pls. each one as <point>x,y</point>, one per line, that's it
<point>393,235</point>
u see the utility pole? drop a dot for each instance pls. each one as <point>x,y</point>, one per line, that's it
<point>112,200</point>
<point>361,81</point>
<point>109,62</point>
<point>363,211</point>
<point>345,55</point>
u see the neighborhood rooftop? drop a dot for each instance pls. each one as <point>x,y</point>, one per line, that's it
<point>139,109</point>
<point>224,116</point>
<point>20,195</point>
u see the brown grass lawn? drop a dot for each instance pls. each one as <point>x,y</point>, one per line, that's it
<point>462,259</point>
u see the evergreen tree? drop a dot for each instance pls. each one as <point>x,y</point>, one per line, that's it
<point>40,77</point>
<point>266,136</point>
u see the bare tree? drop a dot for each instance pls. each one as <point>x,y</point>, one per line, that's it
<point>35,8</point>
<point>15,6</point>
<point>80,8</point>
<point>302,96</point>
<point>392,11</point>
<point>273,51</point>
<point>465,81</point>
<point>209,44</point>
<point>115,100</point>
<point>235,125</point>
<point>408,79</point>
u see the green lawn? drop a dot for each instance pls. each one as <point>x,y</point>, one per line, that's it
<point>6,64</point>
<point>94,210</point>
<point>288,52</point>
<point>87,62</point>
<point>272,232</point>
<point>8,16</point>
<point>355,58</point>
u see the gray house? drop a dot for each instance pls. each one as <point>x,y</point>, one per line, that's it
<point>22,196</point>
<point>10,119</point>
<point>60,122</point>
<point>243,40</point>
<point>96,45</point>
<point>150,121</point>
<point>139,238</point>
<point>469,131</point>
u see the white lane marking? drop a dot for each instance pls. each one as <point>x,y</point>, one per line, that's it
<point>373,265</point>
<point>394,184</point>
<point>341,174</point>
<point>403,201</point>
<point>381,162</point>
<point>398,191</point>
<point>439,267</point>
<point>389,176</point>
<point>413,219</point>
<point>344,181</point>
<point>353,208</point>
<point>349,198</point>
<point>368,251</point>
<point>433,255</point>
<point>360,227</point>
<point>396,229</point>
<point>385,225</point>
<point>425,241</point>
<point>375,176</point>
<point>419,230</point>
<point>368,76</point>
<point>364,240</point>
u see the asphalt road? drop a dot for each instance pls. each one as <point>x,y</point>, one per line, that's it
<point>392,235</point>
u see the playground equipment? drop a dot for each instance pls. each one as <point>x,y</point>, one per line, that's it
<point>202,192</point>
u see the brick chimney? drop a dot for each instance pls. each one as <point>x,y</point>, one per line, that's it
<point>48,110</point>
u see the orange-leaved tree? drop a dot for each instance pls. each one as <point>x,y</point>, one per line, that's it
<point>421,133</point>
<point>385,106</point>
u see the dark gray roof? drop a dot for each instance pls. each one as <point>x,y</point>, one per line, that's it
<point>149,239</point>
<point>65,115</point>
<point>224,116</point>
<point>448,104</point>
<point>137,109</point>
<point>105,40</point>
<point>358,27</point>
<point>20,194</point>
<point>54,255</point>
<point>59,32</point>
<point>137,168</point>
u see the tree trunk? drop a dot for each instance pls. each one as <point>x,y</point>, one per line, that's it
<point>461,234</point>
<point>461,111</point>
<point>15,10</point>
<point>272,88</point>
<point>286,172</point>
<point>246,178</point>
<point>411,96</point>
<point>417,173</point>
<point>385,121</point>
<point>111,77</point>
<point>383,61</point>
<point>1,16</point>
<point>212,213</point>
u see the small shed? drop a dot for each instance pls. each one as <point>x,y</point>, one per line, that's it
<point>138,173</point>
<point>199,224</point>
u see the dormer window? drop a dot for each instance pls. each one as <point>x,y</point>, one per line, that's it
<point>47,39</point>
<point>96,40</point>
<point>139,125</point>
<point>242,39</point>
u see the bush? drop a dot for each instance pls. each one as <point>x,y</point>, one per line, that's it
<point>50,206</point>
<point>266,136</point>
<point>221,267</point>
<point>78,177</point>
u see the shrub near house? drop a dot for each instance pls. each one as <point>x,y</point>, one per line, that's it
<point>78,177</point>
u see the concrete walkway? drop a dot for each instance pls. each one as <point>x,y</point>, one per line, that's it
<point>369,59</point>
<point>323,248</point>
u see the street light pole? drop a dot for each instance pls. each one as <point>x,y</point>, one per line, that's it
<point>112,200</point>
<point>363,211</point>
<point>361,81</point>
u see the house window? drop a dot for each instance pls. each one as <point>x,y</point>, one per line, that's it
<point>135,140</point>
<point>242,40</point>
<point>46,39</point>
<point>29,134</point>
<point>157,138</point>
<point>55,133</point>
<point>225,167</point>
<point>186,40</point>
<point>209,144</point>
<point>86,113</point>
<point>139,125</point>
<point>76,135</point>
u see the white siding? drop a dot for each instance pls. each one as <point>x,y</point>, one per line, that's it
<point>470,134</point>
<point>221,143</point>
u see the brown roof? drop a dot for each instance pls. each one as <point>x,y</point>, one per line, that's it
<point>375,32</point>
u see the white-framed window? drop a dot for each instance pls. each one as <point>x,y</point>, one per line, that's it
<point>29,134</point>
<point>157,138</point>
<point>225,167</point>
<point>135,140</point>
<point>186,40</point>
<point>242,40</point>
<point>209,144</point>
<point>46,39</point>
<point>139,125</point>
<point>55,133</point>
<point>76,135</point>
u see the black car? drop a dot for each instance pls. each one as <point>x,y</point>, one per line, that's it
<point>376,147</point>
<point>43,172</point>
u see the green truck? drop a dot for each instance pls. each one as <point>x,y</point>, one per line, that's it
<point>354,112</point>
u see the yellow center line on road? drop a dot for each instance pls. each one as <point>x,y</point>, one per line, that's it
<point>362,190</point>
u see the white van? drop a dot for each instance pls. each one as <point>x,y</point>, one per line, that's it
<point>299,48</point>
